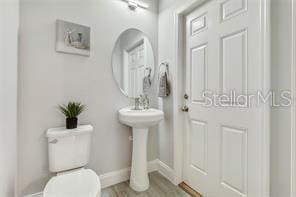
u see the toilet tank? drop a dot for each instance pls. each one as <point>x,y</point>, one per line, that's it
<point>68,148</point>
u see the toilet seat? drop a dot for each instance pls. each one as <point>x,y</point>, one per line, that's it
<point>79,183</point>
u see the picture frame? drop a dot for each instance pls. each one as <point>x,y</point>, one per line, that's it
<point>72,38</point>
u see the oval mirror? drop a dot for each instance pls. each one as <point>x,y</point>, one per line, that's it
<point>133,63</point>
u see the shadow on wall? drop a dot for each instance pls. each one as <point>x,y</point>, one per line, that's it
<point>41,182</point>
<point>37,183</point>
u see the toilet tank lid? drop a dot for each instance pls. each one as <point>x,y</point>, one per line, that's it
<point>63,132</point>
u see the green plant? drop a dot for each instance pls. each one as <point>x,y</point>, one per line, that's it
<point>72,109</point>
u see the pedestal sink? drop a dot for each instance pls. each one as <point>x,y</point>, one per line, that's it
<point>140,121</point>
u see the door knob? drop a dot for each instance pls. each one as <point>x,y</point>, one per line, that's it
<point>185,108</point>
<point>54,141</point>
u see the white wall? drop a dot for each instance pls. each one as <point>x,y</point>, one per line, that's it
<point>9,20</point>
<point>47,78</point>
<point>166,54</point>
<point>281,24</point>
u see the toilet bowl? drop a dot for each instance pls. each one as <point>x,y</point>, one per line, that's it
<point>68,154</point>
<point>79,183</point>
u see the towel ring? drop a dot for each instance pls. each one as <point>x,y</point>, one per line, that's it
<point>166,65</point>
<point>149,71</point>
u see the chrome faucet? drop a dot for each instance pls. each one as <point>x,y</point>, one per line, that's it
<point>142,102</point>
<point>145,101</point>
<point>137,103</point>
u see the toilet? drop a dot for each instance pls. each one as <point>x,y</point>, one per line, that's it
<point>69,152</point>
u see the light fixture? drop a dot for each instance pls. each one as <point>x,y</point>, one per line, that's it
<point>134,4</point>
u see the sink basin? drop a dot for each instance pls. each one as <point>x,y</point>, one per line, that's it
<point>140,121</point>
<point>140,118</point>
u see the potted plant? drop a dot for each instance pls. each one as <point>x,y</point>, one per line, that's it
<point>72,110</point>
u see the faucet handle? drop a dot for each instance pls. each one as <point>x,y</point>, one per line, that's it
<point>146,102</point>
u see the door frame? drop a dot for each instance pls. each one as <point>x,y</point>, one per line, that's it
<point>179,88</point>
<point>293,108</point>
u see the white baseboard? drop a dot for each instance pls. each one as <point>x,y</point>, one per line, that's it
<point>115,177</point>
<point>167,172</point>
<point>153,165</point>
<point>39,194</point>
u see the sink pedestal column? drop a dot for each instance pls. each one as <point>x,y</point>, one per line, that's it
<point>139,180</point>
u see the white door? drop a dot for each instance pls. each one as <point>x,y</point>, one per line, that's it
<point>136,67</point>
<point>223,145</point>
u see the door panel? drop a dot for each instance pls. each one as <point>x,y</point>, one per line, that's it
<point>199,75</point>
<point>234,158</point>
<point>199,146</point>
<point>232,8</point>
<point>199,24</point>
<point>234,70</point>
<point>223,154</point>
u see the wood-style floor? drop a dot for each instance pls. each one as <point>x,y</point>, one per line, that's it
<point>159,187</point>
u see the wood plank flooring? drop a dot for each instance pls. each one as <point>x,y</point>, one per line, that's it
<point>159,187</point>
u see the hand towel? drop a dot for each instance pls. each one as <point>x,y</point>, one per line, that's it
<point>163,89</point>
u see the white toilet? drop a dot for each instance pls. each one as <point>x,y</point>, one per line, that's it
<point>68,153</point>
